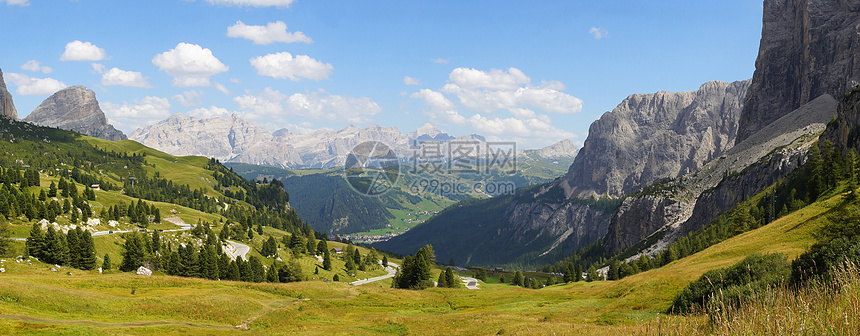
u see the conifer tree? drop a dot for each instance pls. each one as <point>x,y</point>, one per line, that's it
<point>327,260</point>
<point>272,273</point>
<point>106,264</point>
<point>450,279</point>
<point>256,269</point>
<point>74,249</point>
<point>223,266</point>
<point>442,281</point>
<point>35,242</point>
<point>233,271</point>
<point>52,190</point>
<point>384,261</point>
<point>518,279</point>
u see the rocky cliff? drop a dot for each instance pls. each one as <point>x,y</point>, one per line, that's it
<point>650,137</point>
<point>680,206</point>
<point>75,108</point>
<point>808,48</point>
<point>7,107</point>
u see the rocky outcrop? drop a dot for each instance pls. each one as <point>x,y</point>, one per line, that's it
<point>7,107</point>
<point>808,48</point>
<point>844,132</point>
<point>678,207</point>
<point>562,149</point>
<point>75,108</point>
<point>650,137</point>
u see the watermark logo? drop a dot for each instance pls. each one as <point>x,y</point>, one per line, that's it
<point>372,168</point>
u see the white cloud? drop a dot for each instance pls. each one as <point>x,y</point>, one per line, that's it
<point>190,65</point>
<point>189,98</point>
<point>253,3</point>
<point>82,51</point>
<point>434,100</point>
<point>221,88</point>
<point>494,80</point>
<point>28,86</point>
<point>283,65</point>
<point>273,105</point>
<point>98,68</point>
<point>35,66</point>
<point>141,113</point>
<point>17,2</point>
<point>440,60</point>
<point>116,76</point>
<point>236,81</point>
<point>208,113</point>
<point>499,90</point>
<point>271,33</point>
<point>598,33</point>
<point>410,81</point>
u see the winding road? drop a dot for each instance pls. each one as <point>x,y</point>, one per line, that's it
<point>471,283</point>
<point>392,270</point>
<point>240,250</point>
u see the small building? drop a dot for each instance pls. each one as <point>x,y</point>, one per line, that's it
<point>96,187</point>
<point>337,250</point>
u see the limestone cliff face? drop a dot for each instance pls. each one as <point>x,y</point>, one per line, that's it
<point>686,204</point>
<point>75,108</point>
<point>7,107</point>
<point>808,48</point>
<point>650,137</point>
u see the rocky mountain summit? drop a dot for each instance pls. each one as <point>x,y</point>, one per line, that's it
<point>808,48</point>
<point>649,137</point>
<point>562,149</point>
<point>75,108</point>
<point>7,107</point>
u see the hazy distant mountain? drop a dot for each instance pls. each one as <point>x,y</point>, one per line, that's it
<point>75,108</point>
<point>237,140</point>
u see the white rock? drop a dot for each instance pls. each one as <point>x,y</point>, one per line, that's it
<point>144,271</point>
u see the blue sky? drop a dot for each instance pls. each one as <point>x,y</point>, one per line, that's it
<point>534,72</point>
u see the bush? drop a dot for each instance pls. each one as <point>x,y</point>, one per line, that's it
<point>734,283</point>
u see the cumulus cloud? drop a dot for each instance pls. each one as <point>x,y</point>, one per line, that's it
<point>141,113</point>
<point>208,113</point>
<point>508,90</point>
<point>440,60</point>
<point>190,65</point>
<point>283,65</point>
<point>189,98</point>
<point>273,105</point>
<point>598,32</point>
<point>36,66</point>
<point>263,35</point>
<point>221,88</point>
<point>503,90</point>
<point>17,2</point>
<point>410,81</point>
<point>116,76</point>
<point>252,3</point>
<point>98,68</point>
<point>82,51</point>
<point>28,86</point>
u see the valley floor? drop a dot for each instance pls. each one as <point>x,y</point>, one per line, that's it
<point>34,300</point>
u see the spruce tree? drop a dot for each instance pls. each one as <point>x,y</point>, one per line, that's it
<point>233,271</point>
<point>52,190</point>
<point>384,261</point>
<point>257,269</point>
<point>450,279</point>
<point>106,265</point>
<point>518,279</point>
<point>74,248</point>
<point>133,253</point>
<point>272,273</point>
<point>87,250</point>
<point>442,281</point>
<point>350,265</point>
<point>223,266</point>
<point>35,242</point>
<point>327,260</point>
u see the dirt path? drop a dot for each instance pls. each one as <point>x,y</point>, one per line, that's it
<point>99,324</point>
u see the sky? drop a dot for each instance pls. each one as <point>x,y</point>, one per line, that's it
<point>534,72</point>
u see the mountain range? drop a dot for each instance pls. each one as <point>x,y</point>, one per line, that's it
<point>662,165</point>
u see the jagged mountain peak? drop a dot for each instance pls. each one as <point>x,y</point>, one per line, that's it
<point>75,108</point>
<point>7,107</point>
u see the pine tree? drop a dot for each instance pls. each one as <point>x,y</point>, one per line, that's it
<point>384,261</point>
<point>245,273</point>
<point>322,246</point>
<point>223,266</point>
<point>356,257</point>
<point>450,279</point>
<point>257,269</point>
<point>272,273</point>
<point>52,190</point>
<point>442,281</point>
<point>591,274</point>
<point>350,265</point>
<point>5,242</point>
<point>87,250</point>
<point>518,279</point>
<point>35,241</point>
<point>74,249</point>
<point>578,274</point>
<point>233,271</point>
<point>106,265</point>
<point>133,254</point>
<point>327,260</point>
<point>290,272</point>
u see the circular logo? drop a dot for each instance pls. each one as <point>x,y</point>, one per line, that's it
<point>372,168</point>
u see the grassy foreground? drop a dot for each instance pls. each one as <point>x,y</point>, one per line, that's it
<point>34,300</point>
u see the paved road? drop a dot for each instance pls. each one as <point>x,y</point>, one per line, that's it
<point>392,270</point>
<point>241,250</point>
<point>471,283</point>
